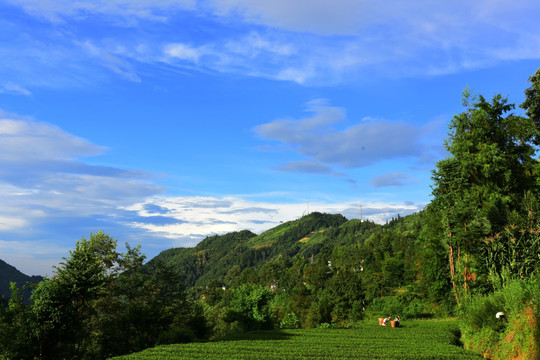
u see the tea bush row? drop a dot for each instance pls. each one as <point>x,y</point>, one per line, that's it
<point>415,340</point>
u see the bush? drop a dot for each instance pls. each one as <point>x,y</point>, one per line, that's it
<point>327,326</point>
<point>513,337</point>
<point>407,305</point>
<point>249,307</point>
<point>290,321</point>
<point>479,313</point>
<point>176,335</point>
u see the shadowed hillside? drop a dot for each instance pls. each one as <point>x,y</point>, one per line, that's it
<point>10,274</point>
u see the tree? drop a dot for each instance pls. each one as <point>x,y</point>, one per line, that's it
<point>489,169</point>
<point>435,274</point>
<point>15,328</point>
<point>63,306</point>
<point>249,307</point>
<point>347,295</point>
<point>101,303</point>
<point>532,102</point>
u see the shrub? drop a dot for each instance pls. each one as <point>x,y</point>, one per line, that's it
<point>177,335</point>
<point>290,321</point>
<point>327,326</point>
<point>405,304</point>
<point>510,338</point>
<point>249,307</point>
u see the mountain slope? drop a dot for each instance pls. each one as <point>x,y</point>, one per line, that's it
<point>10,274</point>
<point>213,257</point>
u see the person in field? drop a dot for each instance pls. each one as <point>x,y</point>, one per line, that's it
<point>397,319</point>
<point>385,321</point>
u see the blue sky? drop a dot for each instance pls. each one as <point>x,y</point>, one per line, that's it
<point>163,121</point>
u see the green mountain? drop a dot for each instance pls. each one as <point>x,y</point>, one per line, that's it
<point>10,274</point>
<point>216,255</point>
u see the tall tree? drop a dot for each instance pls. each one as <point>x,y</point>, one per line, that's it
<point>489,169</point>
<point>532,102</point>
<point>63,305</point>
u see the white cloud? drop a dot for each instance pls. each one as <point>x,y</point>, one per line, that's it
<point>202,216</point>
<point>25,141</point>
<point>299,76</point>
<point>255,44</point>
<point>310,42</point>
<point>422,18</point>
<point>41,175</point>
<point>50,197</point>
<point>32,257</point>
<point>394,38</point>
<point>184,52</point>
<point>9,223</point>
<point>34,250</point>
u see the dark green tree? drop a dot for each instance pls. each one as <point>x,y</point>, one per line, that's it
<point>484,179</point>
<point>63,306</point>
<point>249,307</point>
<point>15,328</point>
<point>532,102</point>
<point>99,303</point>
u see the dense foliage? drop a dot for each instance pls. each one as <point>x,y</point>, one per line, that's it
<point>98,303</point>
<point>516,334</point>
<point>486,195</point>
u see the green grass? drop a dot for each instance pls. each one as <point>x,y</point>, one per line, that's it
<point>270,236</point>
<point>428,339</point>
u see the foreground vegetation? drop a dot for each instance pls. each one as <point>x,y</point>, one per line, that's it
<point>474,251</point>
<point>415,340</point>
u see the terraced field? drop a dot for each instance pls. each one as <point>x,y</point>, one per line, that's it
<point>414,340</point>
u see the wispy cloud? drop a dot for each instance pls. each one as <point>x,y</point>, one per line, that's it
<point>26,141</point>
<point>184,52</point>
<point>307,42</point>
<point>233,213</point>
<point>11,88</point>
<point>42,174</point>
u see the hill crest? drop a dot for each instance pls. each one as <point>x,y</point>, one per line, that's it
<point>8,274</point>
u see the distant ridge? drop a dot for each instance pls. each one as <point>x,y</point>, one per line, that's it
<point>213,258</point>
<point>10,274</point>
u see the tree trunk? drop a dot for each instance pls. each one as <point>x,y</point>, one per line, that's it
<point>466,271</point>
<point>453,271</point>
<point>451,260</point>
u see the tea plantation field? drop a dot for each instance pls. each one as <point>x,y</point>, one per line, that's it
<point>428,339</point>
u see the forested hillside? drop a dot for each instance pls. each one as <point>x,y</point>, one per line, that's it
<point>323,268</point>
<point>214,257</point>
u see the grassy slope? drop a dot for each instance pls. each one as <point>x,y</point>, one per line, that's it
<point>414,340</point>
